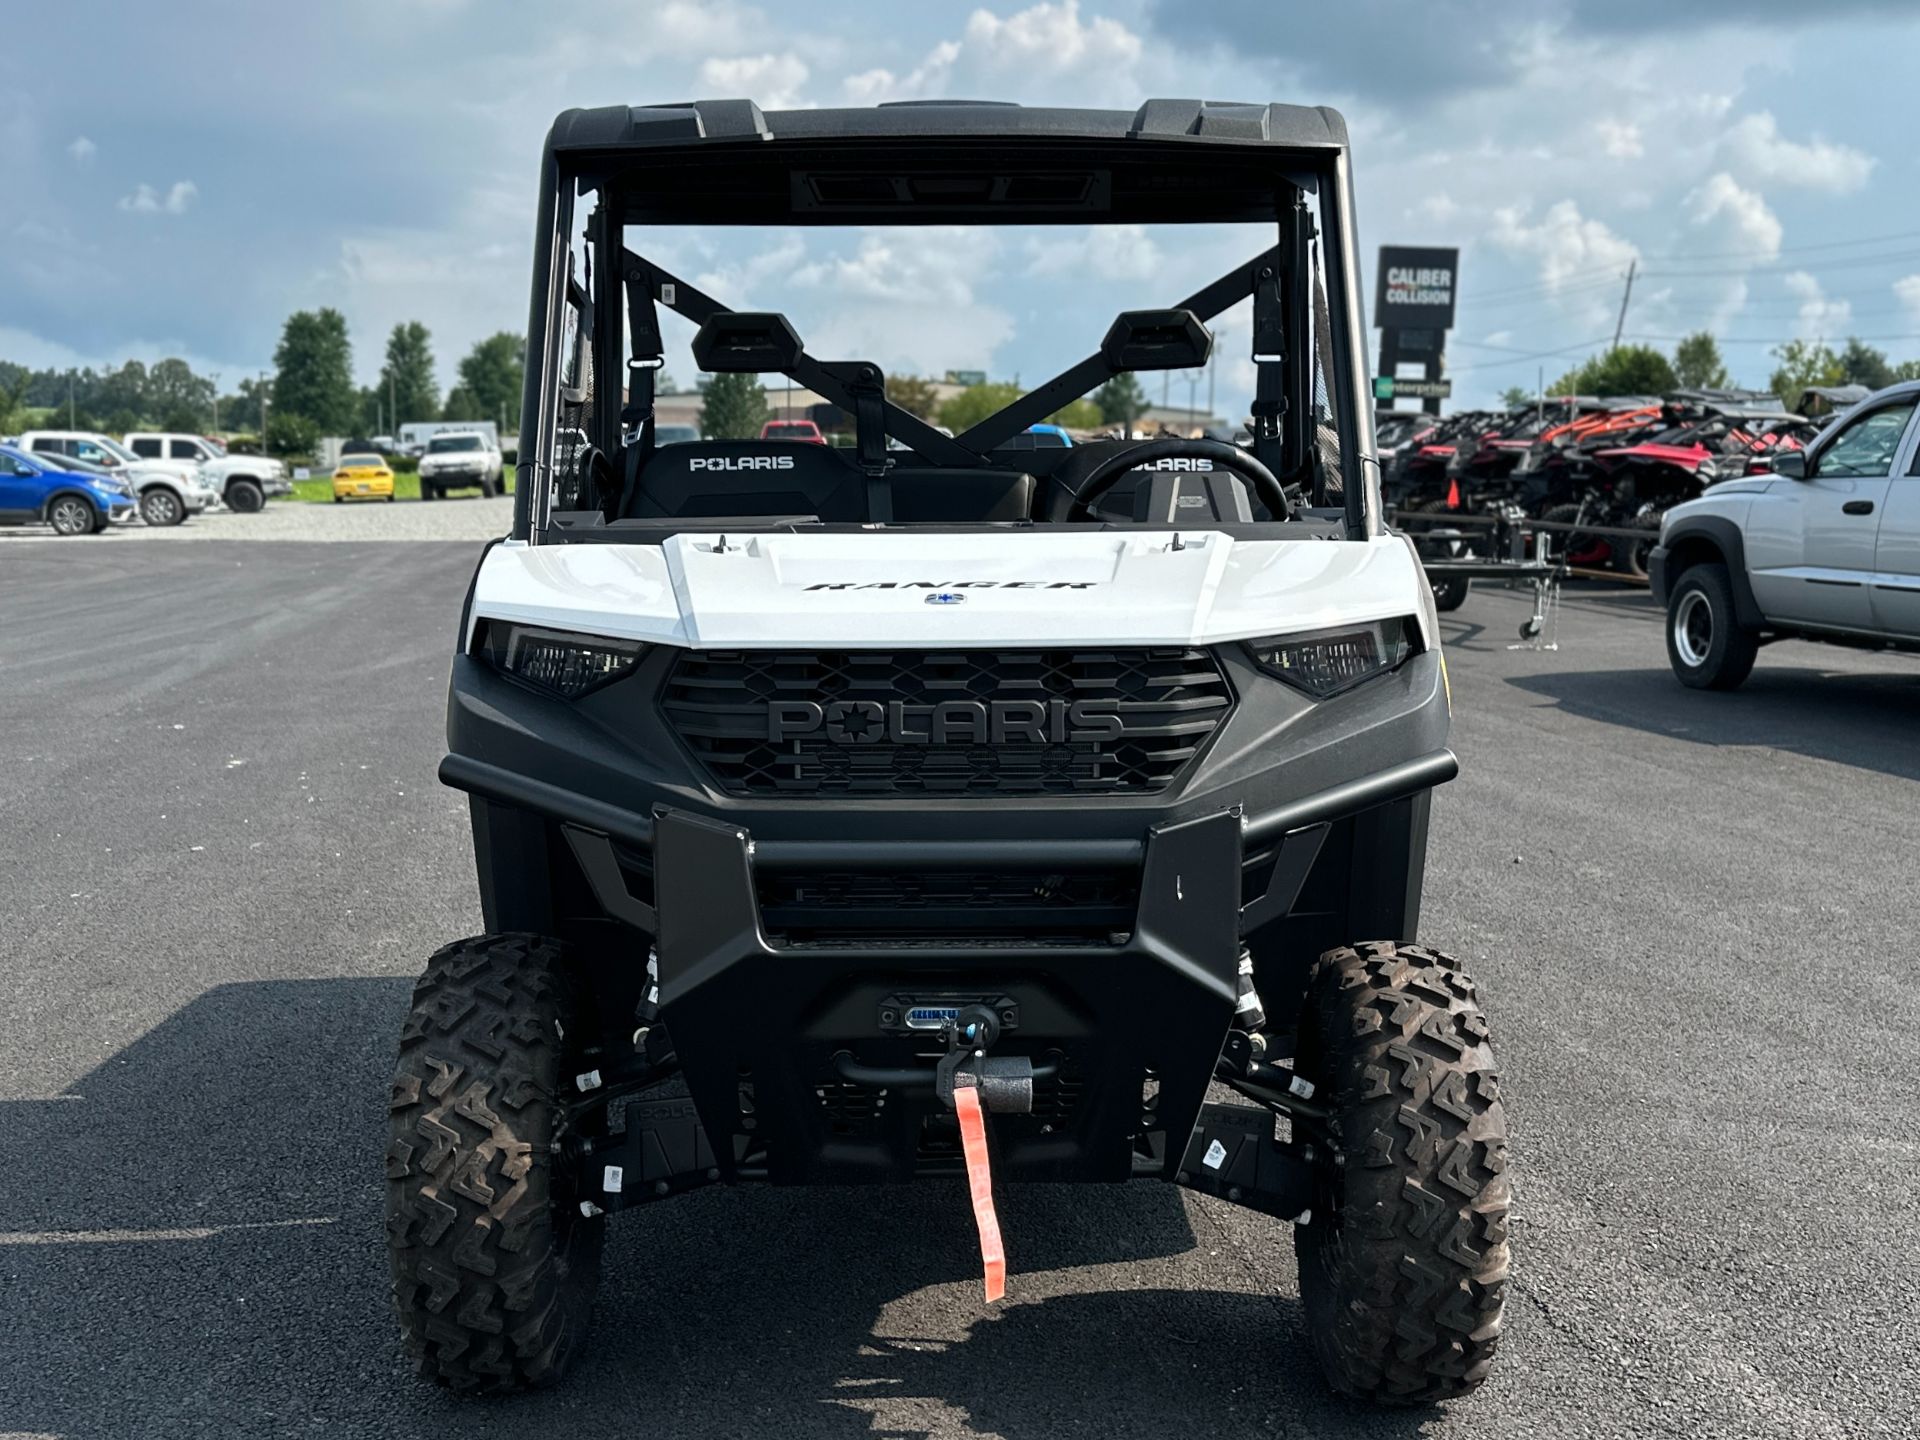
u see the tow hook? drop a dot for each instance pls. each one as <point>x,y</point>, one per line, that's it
<point>1004,1082</point>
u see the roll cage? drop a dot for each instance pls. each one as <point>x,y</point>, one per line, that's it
<point>595,309</point>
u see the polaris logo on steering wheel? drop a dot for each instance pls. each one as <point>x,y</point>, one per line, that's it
<point>1194,463</point>
<point>951,722</point>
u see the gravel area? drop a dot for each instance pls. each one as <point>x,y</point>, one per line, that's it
<point>460,518</point>
<point>224,855</point>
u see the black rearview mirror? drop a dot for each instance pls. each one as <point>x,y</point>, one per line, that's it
<point>1791,463</point>
<point>1157,340</point>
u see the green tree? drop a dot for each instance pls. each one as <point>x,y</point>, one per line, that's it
<point>1514,396</point>
<point>407,386</point>
<point>460,404</point>
<point>1865,365</point>
<point>1907,370</point>
<point>178,398</point>
<point>491,376</point>
<point>1121,400</point>
<point>14,382</point>
<point>124,392</point>
<point>1804,363</point>
<point>913,395</point>
<point>315,371</point>
<point>976,402</point>
<point>1624,370</point>
<point>289,434</point>
<point>1697,364</point>
<point>1080,415</point>
<point>735,408</point>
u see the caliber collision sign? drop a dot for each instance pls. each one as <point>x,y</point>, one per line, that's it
<point>1416,288</point>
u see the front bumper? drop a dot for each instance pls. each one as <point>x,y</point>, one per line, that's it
<point>788,930</point>
<point>197,501</point>
<point>279,485</point>
<point>362,489</point>
<point>123,512</point>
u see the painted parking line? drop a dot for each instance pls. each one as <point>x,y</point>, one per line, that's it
<point>121,1237</point>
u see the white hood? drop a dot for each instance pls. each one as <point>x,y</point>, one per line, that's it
<point>976,590</point>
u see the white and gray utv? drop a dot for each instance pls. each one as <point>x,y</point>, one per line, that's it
<point>942,807</point>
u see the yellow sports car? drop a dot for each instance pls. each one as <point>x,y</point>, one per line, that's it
<point>362,477</point>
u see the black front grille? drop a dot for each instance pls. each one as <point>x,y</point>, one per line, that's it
<point>957,722</point>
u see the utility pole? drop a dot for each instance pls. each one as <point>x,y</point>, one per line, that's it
<point>1621,323</point>
<point>393,405</point>
<point>264,448</point>
<point>70,424</point>
<point>216,402</point>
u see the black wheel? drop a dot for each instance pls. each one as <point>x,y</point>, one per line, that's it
<point>1630,557</point>
<point>339,499</point>
<point>1451,593</point>
<point>427,492</point>
<point>489,489</point>
<point>1576,547</point>
<point>70,515</point>
<point>1403,1266</point>
<point>1705,642</point>
<point>244,497</point>
<point>162,507</point>
<point>494,1267</point>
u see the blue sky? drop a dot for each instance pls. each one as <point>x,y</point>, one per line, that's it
<point>180,177</point>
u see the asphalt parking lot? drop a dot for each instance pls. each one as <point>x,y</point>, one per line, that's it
<point>223,855</point>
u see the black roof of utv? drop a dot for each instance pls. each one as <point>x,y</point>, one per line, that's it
<point>728,162</point>
<point>618,127</point>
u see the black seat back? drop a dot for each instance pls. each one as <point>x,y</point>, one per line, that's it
<point>750,477</point>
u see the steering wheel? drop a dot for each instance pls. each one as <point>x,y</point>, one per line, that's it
<point>1104,476</point>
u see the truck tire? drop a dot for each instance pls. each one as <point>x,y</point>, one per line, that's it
<point>1706,645</point>
<point>162,507</point>
<point>494,1267</point>
<point>1403,1263</point>
<point>245,497</point>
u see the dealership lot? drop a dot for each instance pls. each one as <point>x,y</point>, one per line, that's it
<point>223,855</point>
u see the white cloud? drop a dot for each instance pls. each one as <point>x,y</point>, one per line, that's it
<point>1740,213</point>
<point>1108,252</point>
<point>1024,56</point>
<point>145,200</point>
<point>1758,152</point>
<point>1820,317</point>
<point>1620,139</point>
<point>82,150</point>
<point>773,81</point>
<point>1907,291</point>
<point>1564,242</point>
<point>908,303</point>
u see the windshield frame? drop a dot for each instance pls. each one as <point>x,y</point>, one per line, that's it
<point>1319,175</point>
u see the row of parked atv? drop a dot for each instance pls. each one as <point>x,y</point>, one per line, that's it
<point>1616,463</point>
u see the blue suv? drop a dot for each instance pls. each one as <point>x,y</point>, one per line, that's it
<point>72,502</point>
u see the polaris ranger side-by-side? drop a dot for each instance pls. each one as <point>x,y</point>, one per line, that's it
<point>941,807</point>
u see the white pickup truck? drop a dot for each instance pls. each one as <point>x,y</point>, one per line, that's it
<point>1826,547</point>
<point>243,481</point>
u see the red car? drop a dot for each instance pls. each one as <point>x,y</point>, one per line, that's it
<point>802,430</point>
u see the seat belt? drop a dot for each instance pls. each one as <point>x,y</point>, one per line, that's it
<point>643,369</point>
<point>869,390</point>
<point>1270,360</point>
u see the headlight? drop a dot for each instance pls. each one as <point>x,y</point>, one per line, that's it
<point>1326,662</point>
<point>568,665</point>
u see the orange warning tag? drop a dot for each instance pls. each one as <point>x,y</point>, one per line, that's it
<point>973,1140</point>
